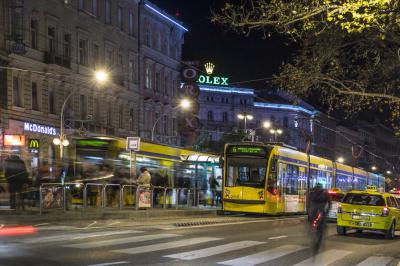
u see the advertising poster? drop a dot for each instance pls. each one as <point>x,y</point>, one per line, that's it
<point>144,199</point>
<point>52,197</point>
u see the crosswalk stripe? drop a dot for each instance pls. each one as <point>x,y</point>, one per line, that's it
<point>375,261</point>
<point>169,245</point>
<point>264,256</point>
<point>76,236</point>
<point>206,252</point>
<point>118,241</point>
<point>324,258</point>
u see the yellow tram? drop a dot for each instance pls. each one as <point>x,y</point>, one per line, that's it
<point>272,179</point>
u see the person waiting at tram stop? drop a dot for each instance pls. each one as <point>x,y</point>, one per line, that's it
<point>144,178</point>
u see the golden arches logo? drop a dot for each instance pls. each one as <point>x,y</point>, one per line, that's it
<point>34,144</point>
<point>209,68</point>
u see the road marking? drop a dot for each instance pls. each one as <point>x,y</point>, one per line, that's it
<point>110,263</point>
<point>375,261</point>
<point>65,237</point>
<point>118,241</point>
<point>206,252</point>
<point>169,245</point>
<point>277,237</point>
<point>324,258</point>
<point>264,256</point>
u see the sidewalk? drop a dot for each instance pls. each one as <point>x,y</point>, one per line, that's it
<point>57,216</point>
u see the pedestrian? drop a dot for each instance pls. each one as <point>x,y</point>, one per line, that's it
<point>17,178</point>
<point>144,178</point>
<point>219,190</point>
<point>213,187</point>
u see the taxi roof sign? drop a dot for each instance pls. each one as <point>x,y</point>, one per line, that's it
<point>371,188</point>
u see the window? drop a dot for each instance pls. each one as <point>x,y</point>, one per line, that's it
<point>132,70</point>
<point>166,82</point>
<point>52,101</point>
<point>131,119</point>
<point>364,199</point>
<point>35,97</point>
<point>108,11</point>
<point>173,126</point>
<point>208,98</point>
<point>249,172</point>
<point>83,107</point>
<point>109,58</point>
<point>148,77</point>
<point>158,81</point>
<point>81,4</point>
<point>83,52</point>
<point>51,39</point>
<point>17,101</point>
<point>34,34</point>
<point>120,59</point>
<point>156,116</point>
<point>109,115</point>
<point>121,117</point>
<point>120,18</point>
<point>174,86</point>
<point>131,24</point>
<point>95,7</point>
<point>165,124</point>
<point>225,117</point>
<point>97,114</point>
<point>158,41</point>
<point>96,55</point>
<point>148,36</point>
<point>67,45</point>
<point>285,122</point>
<point>210,116</point>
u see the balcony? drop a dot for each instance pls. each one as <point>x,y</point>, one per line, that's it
<point>53,58</point>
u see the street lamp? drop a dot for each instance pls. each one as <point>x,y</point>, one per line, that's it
<point>100,77</point>
<point>276,132</point>
<point>184,104</point>
<point>388,172</point>
<point>340,159</point>
<point>374,168</point>
<point>244,117</point>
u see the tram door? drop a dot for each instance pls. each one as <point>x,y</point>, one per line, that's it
<point>292,187</point>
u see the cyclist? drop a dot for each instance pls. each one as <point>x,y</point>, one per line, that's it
<point>319,202</point>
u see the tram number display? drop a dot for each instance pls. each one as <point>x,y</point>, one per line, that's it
<point>247,150</point>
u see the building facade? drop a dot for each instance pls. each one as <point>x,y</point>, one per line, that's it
<point>49,53</point>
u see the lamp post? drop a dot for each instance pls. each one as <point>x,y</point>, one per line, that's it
<point>184,104</point>
<point>276,132</point>
<point>244,117</point>
<point>100,76</point>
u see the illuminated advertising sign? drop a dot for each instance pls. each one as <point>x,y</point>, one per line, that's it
<point>14,140</point>
<point>41,129</point>
<point>33,144</point>
<point>205,79</point>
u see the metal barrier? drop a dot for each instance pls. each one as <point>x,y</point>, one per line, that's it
<point>111,196</point>
<point>122,194</point>
<point>54,196</point>
<point>85,195</point>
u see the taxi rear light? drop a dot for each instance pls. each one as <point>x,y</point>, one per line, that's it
<point>332,192</point>
<point>385,211</point>
<point>339,208</point>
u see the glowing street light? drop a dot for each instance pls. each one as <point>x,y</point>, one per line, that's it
<point>388,172</point>
<point>245,117</point>
<point>340,159</point>
<point>276,132</point>
<point>267,124</point>
<point>374,168</point>
<point>185,104</point>
<point>101,76</point>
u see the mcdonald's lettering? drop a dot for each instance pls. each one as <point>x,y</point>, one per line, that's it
<point>33,144</point>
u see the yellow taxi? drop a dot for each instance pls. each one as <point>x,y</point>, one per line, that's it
<point>369,210</point>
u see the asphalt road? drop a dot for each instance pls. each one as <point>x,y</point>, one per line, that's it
<point>255,242</point>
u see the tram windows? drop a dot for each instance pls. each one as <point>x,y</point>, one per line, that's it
<point>322,177</point>
<point>246,172</point>
<point>291,180</point>
<point>344,182</point>
<point>359,183</point>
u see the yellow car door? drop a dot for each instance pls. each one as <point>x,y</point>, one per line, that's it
<point>394,209</point>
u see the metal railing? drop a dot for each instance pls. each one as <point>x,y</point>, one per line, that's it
<point>53,196</point>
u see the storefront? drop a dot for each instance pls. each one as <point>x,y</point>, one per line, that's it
<point>31,141</point>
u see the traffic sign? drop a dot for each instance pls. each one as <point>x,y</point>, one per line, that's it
<point>133,143</point>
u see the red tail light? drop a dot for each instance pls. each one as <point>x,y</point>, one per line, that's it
<point>385,211</point>
<point>339,208</point>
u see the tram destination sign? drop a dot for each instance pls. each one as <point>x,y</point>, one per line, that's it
<point>247,150</point>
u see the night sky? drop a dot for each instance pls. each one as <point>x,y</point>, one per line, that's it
<point>238,57</point>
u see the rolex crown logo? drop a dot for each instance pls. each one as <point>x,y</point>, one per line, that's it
<point>209,68</point>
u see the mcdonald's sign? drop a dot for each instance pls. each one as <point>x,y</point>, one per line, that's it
<point>33,144</point>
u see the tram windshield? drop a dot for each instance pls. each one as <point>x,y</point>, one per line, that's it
<point>248,172</point>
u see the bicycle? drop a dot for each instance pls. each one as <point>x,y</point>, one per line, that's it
<point>317,231</point>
